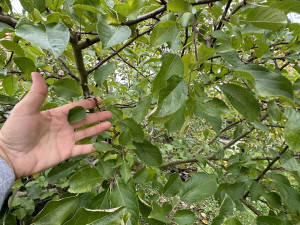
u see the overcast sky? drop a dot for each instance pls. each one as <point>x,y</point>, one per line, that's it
<point>294,17</point>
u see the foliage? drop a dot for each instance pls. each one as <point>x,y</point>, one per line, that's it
<point>204,96</point>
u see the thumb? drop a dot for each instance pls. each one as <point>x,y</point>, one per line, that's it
<point>35,98</point>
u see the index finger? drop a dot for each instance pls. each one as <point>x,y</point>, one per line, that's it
<point>89,103</point>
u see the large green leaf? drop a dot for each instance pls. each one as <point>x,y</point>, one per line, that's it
<point>85,216</point>
<point>62,170</point>
<point>242,100</point>
<point>148,153</point>
<point>163,32</point>
<point>140,111</point>
<point>55,212</point>
<point>12,46</point>
<point>25,64</point>
<point>286,5</point>
<point>84,180</point>
<point>52,37</point>
<point>184,217</point>
<point>267,18</point>
<point>198,187</point>
<point>292,130</point>
<point>137,133</point>
<point>179,6</point>
<point>268,83</point>
<point>6,100</point>
<point>67,88</point>
<point>161,213</point>
<point>270,220</point>
<point>177,120</point>
<point>10,84</point>
<point>112,35</point>
<point>172,96</point>
<point>76,114</point>
<point>173,185</point>
<point>226,210</point>
<point>104,71</point>
<point>124,195</point>
<point>171,64</point>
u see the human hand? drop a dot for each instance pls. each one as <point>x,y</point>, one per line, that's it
<point>32,141</point>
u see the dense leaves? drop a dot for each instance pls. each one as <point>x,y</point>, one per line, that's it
<point>205,102</point>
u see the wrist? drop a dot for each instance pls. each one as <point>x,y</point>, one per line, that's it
<point>5,157</point>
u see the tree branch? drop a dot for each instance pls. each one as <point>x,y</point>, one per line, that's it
<point>8,20</point>
<point>119,50</point>
<point>69,70</point>
<point>145,16</point>
<point>79,63</point>
<point>244,201</point>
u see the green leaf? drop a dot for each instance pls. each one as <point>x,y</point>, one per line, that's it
<point>103,72</point>
<point>115,218</point>
<point>112,35</point>
<point>292,131</point>
<point>124,195</point>
<point>214,121</point>
<point>267,18</point>
<point>25,64</point>
<point>54,4</point>
<point>164,32</point>
<point>84,180</point>
<point>67,88</point>
<point>27,5</point>
<point>62,170</point>
<point>179,6</point>
<point>274,111</point>
<point>161,213</point>
<point>172,64</point>
<point>232,221</point>
<point>88,8</point>
<point>148,153</point>
<point>270,220</point>
<point>184,217</point>
<point>172,96</point>
<point>14,47</point>
<point>173,185</point>
<point>177,120</point>
<point>6,100</point>
<point>52,37</point>
<point>137,133</point>
<point>85,216</point>
<point>198,187</point>
<point>76,114</point>
<point>55,212</point>
<point>10,84</point>
<point>268,83</point>
<point>187,19</point>
<point>140,111</point>
<point>287,5</point>
<point>256,190</point>
<point>226,210</point>
<point>103,146</point>
<point>242,100</point>
<point>4,26</point>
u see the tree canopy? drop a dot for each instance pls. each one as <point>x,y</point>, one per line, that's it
<point>205,102</point>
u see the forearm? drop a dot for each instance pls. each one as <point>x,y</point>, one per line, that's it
<point>7,178</point>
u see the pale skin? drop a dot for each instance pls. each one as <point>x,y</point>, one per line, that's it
<point>32,141</point>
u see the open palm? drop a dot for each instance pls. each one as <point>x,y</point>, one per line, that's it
<point>32,141</point>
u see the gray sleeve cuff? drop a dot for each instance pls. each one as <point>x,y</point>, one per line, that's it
<point>7,179</point>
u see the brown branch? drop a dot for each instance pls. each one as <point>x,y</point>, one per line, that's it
<point>252,208</point>
<point>88,42</point>
<point>69,70</point>
<point>202,2</point>
<point>133,67</point>
<point>267,169</point>
<point>145,16</point>
<point>243,134</point>
<point>8,20</point>
<point>185,41</point>
<point>119,50</point>
<point>224,15</point>
<point>236,9</point>
<point>80,63</point>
